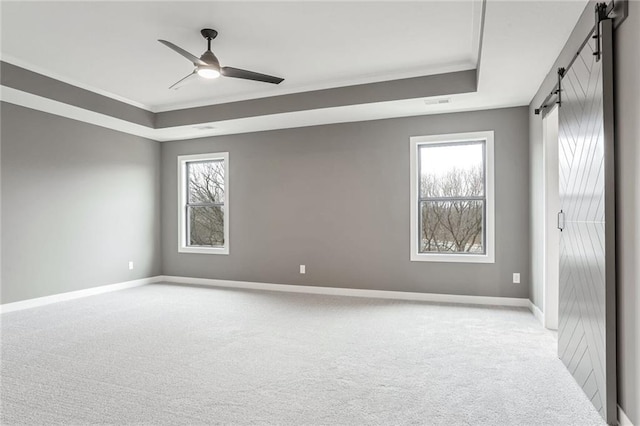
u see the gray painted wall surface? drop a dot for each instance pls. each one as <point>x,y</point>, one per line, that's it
<point>627,129</point>
<point>627,92</point>
<point>78,202</point>
<point>408,88</point>
<point>38,84</point>
<point>336,198</point>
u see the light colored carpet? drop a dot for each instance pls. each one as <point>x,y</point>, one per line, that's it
<point>164,354</point>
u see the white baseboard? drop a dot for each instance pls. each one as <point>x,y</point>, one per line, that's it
<point>378,294</point>
<point>536,312</point>
<point>623,420</point>
<point>55,298</point>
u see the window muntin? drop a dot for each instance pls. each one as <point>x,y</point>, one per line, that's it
<point>203,218</point>
<point>452,198</point>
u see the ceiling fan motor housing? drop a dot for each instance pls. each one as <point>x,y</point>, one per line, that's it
<point>210,59</point>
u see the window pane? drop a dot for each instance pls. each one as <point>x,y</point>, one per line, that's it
<point>206,181</point>
<point>452,170</point>
<point>452,226</point>
<point>206,226</point>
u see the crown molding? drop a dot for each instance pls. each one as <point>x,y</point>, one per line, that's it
<point>33,68</point>
<point>333,84</point>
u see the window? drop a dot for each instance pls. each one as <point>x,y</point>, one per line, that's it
<point>203,190</point>
<point>452,206</point>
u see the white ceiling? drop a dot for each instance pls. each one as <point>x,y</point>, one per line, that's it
<point>111,47</point>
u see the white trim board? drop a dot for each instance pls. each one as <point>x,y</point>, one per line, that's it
<point>352,292</point>
<point>486,138</point>
<point>623,420</point>
<point>333,291</point>
<point>55,298</point>
<point>536,312</point>
<point>40,103</point>
<point>183,191</point>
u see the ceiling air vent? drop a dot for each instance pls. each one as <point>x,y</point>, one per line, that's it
<point>440,101</point>
<point>204,127</point>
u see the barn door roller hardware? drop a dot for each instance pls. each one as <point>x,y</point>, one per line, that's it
<point>616,10</point>
<point>558,92</point>
<point>601,14</point>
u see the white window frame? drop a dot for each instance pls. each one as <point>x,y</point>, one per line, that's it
<point>183,160</point>
<point>415,143</point>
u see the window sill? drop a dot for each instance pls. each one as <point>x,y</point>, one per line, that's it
<point>453,258</point>
<point>204,250</point>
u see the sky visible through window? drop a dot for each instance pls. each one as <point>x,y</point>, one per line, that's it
<point>438,160</point>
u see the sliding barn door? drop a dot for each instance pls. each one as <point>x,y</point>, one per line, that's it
<point>586,332</point>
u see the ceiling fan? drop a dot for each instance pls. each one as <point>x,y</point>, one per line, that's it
<point>208,66</point>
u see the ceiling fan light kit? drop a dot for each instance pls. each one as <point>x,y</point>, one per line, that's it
<point>208,66</point>
<point>207,72</point>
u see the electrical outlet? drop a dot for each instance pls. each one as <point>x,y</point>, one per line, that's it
<point>130,264</point>
<point>303,269</point>
<point>516,278</point>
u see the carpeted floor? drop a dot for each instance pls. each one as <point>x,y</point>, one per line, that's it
<point>164,354</point>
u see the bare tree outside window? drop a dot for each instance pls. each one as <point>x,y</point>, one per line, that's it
<point>452,198</point>
<point>205,203</point>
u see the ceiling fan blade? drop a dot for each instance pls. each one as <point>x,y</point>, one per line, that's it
<point>249,75</point>
<point>178,84</point>
<point>180,50</point>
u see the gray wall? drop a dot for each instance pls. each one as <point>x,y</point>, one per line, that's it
<point>627,52</point>
<point>336,198</point>
<point>78,202</point>
<point>41,85</point>
<point>384,91</point>
<point>627,92</point>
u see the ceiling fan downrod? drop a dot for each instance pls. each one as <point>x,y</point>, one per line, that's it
<point>209,34</point>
